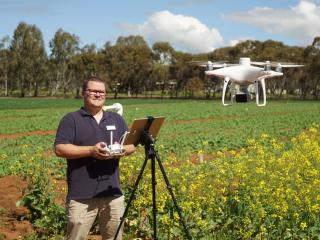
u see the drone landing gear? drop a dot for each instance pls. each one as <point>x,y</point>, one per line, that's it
<point>263,87</point>
<point>225,85</point>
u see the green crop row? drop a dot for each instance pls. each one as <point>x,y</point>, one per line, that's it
<point>188,123</point>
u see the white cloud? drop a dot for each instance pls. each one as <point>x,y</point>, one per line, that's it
<point>184,33</point>
<point>301,22</point>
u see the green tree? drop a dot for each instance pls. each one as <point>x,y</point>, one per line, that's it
<point>4,62</point>
<point>312,58</point>
<point>163,53</point>
<point>193,85</point>
<point>28,57</point>
<point>159,77</point>
<point>63,46</point>
<point>129,63</point>
<point>180,70</point>
<point>162,57</point>
<point>85,64</point>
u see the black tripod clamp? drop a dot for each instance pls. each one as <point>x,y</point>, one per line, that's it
<point>146,139</point>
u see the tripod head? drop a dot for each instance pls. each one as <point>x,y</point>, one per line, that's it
<point>146,138</point>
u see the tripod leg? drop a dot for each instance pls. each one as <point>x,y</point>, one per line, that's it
<point>132,195</point>
<point>154,203</point>
<point>172,196</point>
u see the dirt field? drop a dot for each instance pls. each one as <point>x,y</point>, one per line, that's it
<point>11,225</point>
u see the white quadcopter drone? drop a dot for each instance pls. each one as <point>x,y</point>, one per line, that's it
<point>244,74</point>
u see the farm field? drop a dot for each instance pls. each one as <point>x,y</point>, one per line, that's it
<point>187,125</point>
<point>255,162</point>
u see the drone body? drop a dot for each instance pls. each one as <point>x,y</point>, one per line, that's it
<point>244,74</point>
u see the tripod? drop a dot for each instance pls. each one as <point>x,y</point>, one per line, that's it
<point>150,153</point>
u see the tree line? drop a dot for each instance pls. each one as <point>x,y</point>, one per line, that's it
<point>130,66</point>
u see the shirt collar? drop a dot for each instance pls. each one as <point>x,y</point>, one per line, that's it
<point>83,112</point>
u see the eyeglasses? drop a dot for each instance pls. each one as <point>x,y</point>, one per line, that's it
<point>93,92</point>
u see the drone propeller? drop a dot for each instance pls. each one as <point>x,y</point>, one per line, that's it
<point>210,65</point>
<point>277,65</point>
<point>280,66</point>
<point>260,63</point>
<point>205,63</point>
<point>289,65</point>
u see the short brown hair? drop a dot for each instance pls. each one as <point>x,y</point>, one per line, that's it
<point>92,79</point>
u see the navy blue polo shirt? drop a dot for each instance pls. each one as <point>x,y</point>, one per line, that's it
<point>89,177</point>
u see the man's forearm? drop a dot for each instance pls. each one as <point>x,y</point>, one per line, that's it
<point>71,151</point>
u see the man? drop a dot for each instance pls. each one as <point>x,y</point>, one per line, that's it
<point>92,172</point>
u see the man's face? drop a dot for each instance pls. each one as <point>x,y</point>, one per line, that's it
<point>94,95</point>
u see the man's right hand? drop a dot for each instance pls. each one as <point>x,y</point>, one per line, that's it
<point>99,151</point>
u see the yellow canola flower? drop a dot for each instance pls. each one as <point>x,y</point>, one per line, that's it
<point>315,208</point>
<point>313,130</point>
<point>303,225</point>
<point>236,198</point>
<point>161,147</point>
<point>247,221</point>
<point>204,143</point>
<point>200,151</point>
<point>251,141</point>
<point>232,152</point>
<point>220,154</point>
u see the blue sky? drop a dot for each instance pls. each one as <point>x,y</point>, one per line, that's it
<point>194,26</point>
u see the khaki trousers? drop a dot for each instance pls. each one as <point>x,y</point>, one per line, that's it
<point>82,213</point>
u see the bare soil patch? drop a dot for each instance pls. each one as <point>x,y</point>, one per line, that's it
<point>17,135</point>
<point>11,225</point>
